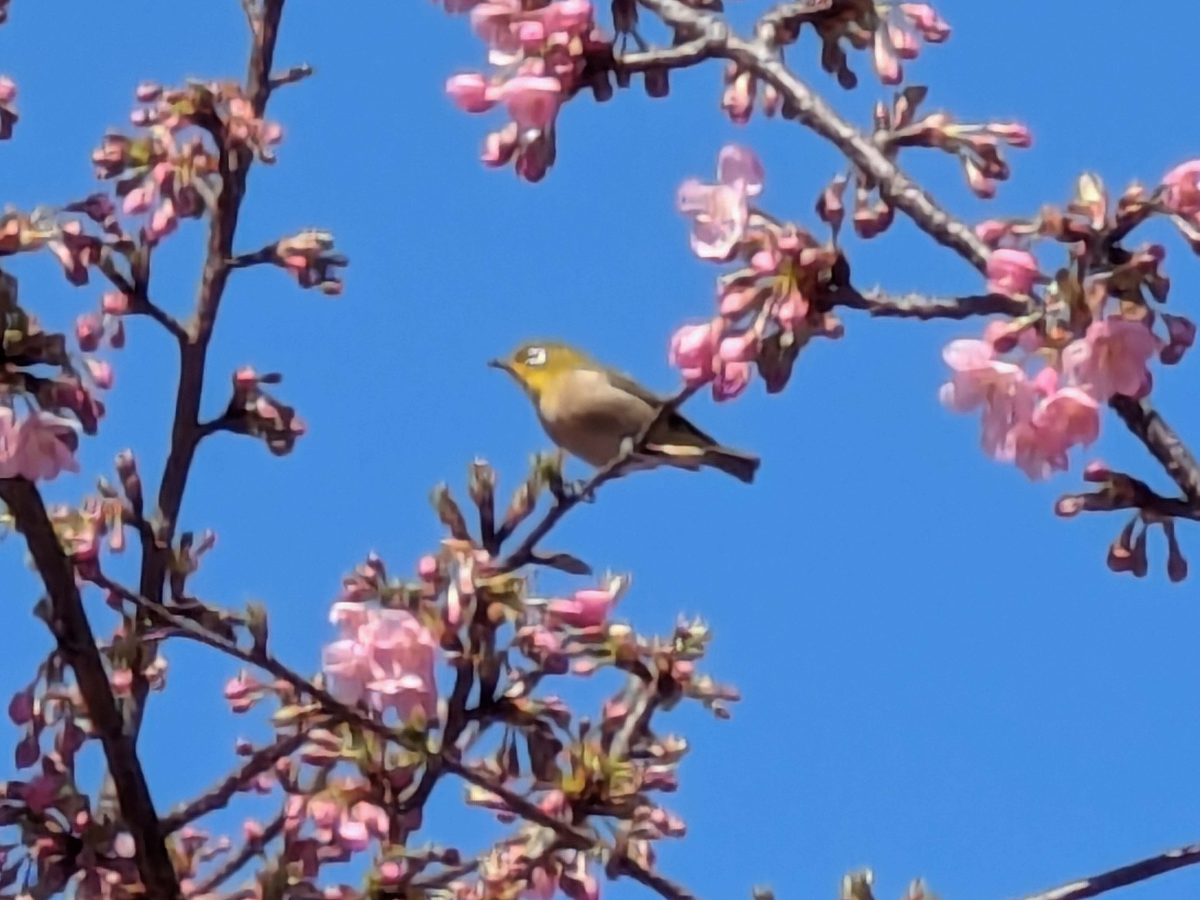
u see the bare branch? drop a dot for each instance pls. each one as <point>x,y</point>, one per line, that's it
<point>234,166</point>
<point>919,306</point>
<point>1124,876</point>
<point>1162,441</point>
<point>77,643</point>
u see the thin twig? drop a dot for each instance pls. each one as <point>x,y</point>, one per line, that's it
<point>1133,873</point>
<point>569,835</point>
<point>220,795</point>
<point>69,623</point>
<point>250,849</point>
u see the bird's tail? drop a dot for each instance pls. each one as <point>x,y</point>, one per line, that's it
<point>741,466</point>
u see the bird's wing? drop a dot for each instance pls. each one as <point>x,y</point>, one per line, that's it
<point>591,399</point>
<point>676,424</point>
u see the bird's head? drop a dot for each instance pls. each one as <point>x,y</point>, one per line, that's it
<point>536,364</point>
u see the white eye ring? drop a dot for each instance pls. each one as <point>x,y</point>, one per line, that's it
<point>535,356</point>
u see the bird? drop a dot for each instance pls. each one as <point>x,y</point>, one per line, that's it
<point>590,409</point>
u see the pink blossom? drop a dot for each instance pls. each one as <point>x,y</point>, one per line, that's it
<point>471,92</point>
<point>386,659</point>
<point>1111,358</point>
<point>692,350</point>
<point>720,212</point>
<point>1181,189</point>
<point>1011,272</point>
<point>1067,418</point>
<point>979,379</point>
<point>731,380</point>
<point>39,447</point>
<point>531,100</point>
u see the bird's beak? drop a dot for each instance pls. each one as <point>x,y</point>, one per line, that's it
<point>500,364</point>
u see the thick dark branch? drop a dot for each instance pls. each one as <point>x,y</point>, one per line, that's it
<point>1124,876</point>
<point>919,306</point>
<point>1162,441</point>
<point>220,795</point>
<point>77,644</point>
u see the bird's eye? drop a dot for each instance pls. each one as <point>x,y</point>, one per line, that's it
<point>535,356</point>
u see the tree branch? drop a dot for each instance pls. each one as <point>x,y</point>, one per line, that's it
<point>1124,876</point>
<point>919,306</point>
<point>220,795</point>
<point>762,57</point>
<point>234,166</point>
<point>73,633</point>
<point>249,850</point>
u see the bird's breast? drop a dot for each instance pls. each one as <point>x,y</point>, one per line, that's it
<point>589,418</point>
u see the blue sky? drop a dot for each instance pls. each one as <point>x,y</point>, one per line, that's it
<point>940,677</point>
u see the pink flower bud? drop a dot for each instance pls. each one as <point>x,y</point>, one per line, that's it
<point>531,100</point>
<point>88,331</point>
<point>1011,272</point>
<point>739,347</point>
<point>470,92</point>
<point>101,372</point>
<point>692,350</point>
<point>737,301</point>
<point>731,381</point>
<point>114,303</point>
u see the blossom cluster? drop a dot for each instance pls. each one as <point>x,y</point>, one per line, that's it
<point>169,175</point>
<point>1041,381</point>
<point>539,53</point>
<point>766,308</point>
